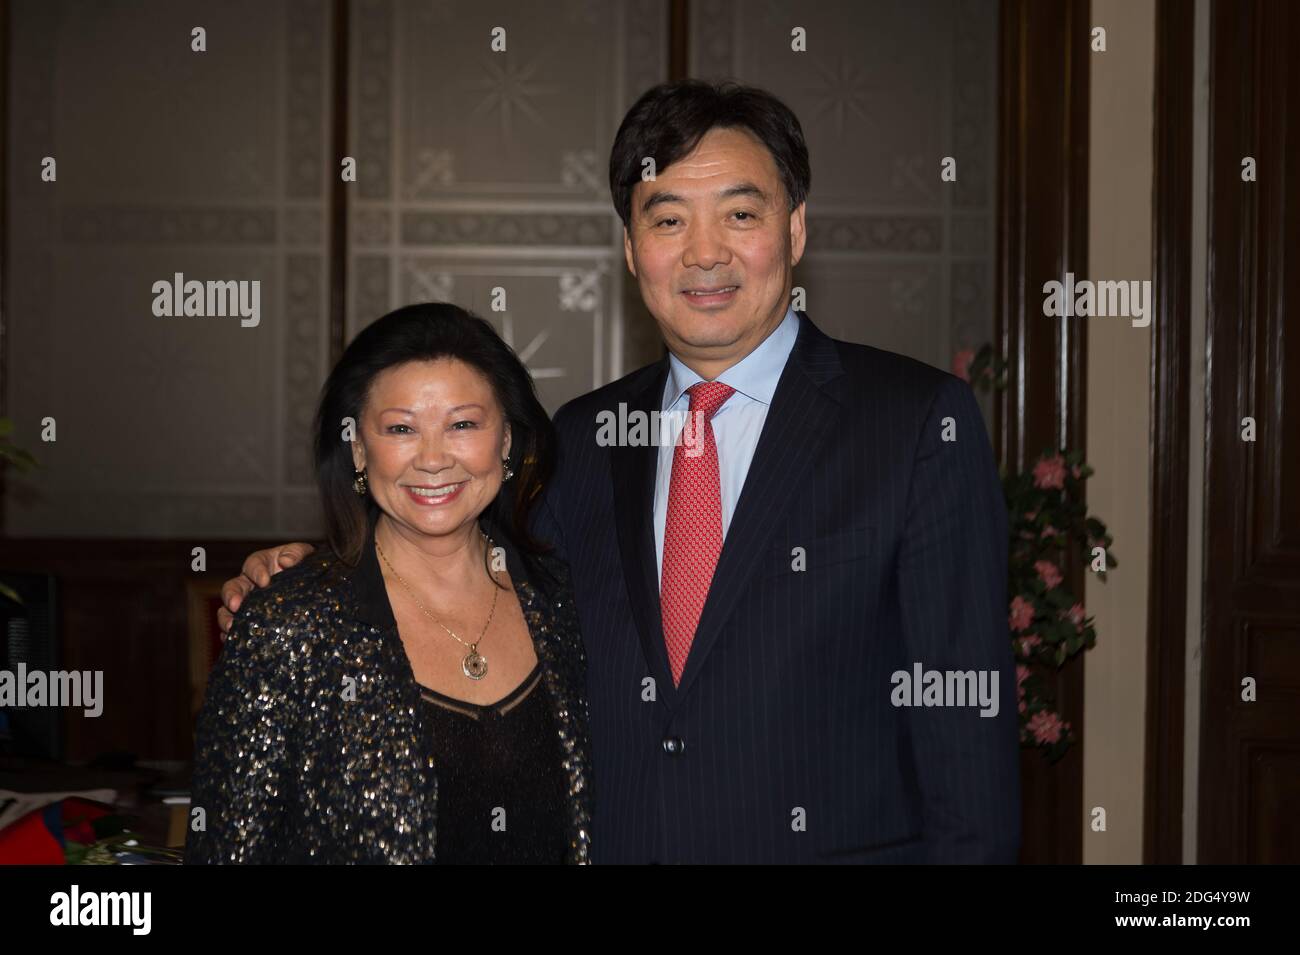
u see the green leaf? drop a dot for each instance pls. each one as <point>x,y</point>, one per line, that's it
<point>1061,599</point>
<point>18,457</point>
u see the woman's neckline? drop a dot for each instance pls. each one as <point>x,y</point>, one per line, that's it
<point>500,707</point>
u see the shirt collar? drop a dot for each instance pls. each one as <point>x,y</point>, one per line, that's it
<point>754,376</point>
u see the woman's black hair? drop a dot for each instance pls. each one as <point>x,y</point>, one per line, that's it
<point>670,119</point>
<point>427,332</point>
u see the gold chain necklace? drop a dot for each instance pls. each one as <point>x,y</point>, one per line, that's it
<point>474,665</point>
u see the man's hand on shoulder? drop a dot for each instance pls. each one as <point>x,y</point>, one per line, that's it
<point>258,569</point>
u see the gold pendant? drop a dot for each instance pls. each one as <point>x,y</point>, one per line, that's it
<point>474,665</point>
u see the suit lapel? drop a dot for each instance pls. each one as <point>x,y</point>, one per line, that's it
<point>799,422</point>
<point>634,470</point>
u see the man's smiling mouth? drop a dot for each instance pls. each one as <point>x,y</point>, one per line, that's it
<point>716,290</point>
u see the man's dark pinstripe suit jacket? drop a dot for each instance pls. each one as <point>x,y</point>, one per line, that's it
<point>781,743</point>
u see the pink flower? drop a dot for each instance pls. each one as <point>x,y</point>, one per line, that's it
<point>1030,515</point>
<point>1023,706</point>
<point>1076,472</point>
<point>961,363</point>
<point>1047,573</point>
<point>1049,473</point>
<point>1075,614</point>
<point>1022,614</point>
<point>1028,643</point>
<point>1046,727</point>
<point>1022,674</point>
<point>1049,531</point>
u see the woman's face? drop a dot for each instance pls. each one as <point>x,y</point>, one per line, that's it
<point>431,439</point>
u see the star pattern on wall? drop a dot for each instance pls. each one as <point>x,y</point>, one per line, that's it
<point>528,351</point>
<point>846,90</point>
<point>510,90</point>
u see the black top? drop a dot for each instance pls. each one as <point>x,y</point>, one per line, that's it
<point>290,769</point>
<point>501,786</point>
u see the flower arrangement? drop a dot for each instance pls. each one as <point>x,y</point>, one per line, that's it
<point>1046,519</point>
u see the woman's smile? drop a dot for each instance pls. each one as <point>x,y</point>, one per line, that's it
<point>427,495</point>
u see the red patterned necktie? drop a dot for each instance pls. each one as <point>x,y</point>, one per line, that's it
<point>693,528</point>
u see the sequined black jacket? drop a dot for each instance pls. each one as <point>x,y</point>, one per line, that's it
<point>290,769</point>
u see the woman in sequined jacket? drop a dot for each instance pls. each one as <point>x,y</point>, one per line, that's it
<point>414,691</point>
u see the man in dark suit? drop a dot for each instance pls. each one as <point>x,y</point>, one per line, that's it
<point>788,552</point>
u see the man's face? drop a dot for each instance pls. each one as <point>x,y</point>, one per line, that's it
<point>712,245</point>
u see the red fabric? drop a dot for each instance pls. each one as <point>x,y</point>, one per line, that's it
<point>77,815</point>
<point>28,841</point>
<point>693,528</point>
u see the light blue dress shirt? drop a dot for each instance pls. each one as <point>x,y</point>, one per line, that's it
<point>736,425</point>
